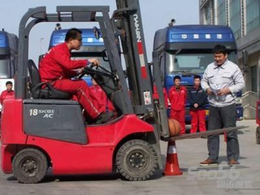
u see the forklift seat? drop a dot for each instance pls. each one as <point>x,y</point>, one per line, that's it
<point>36,87</point>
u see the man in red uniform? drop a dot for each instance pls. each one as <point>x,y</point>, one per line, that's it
<point>177,97</point>
<point>8,93</point>
<point>101,96</point>
<point>58,68</point>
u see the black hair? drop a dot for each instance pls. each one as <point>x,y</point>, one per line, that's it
<point>197,77</point>
<point>8,83</point>
<point>177,77</point>
<point>72,33</point>
<point>220,49</point>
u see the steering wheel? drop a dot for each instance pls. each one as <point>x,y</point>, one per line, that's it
<point>95,71</point>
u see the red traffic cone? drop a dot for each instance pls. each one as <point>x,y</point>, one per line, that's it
<point>225,136</point>
<point>172,164</point>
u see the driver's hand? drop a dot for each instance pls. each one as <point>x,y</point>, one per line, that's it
<point>94,61</point>
<point>80,70</point>
<point>224,91</point>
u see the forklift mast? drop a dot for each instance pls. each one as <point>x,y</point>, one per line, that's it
<point>133,44</point>
<point>141,79</point>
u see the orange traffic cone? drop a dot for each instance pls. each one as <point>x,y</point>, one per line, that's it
<point>172,164</point>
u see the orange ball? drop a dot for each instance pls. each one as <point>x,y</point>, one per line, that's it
<point>174,127</point>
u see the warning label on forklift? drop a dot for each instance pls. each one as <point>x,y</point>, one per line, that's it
<point>147,97</point>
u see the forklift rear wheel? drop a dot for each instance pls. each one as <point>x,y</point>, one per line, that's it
<point>257,133</point>
<point>30,166</point>
<point>136,160</point>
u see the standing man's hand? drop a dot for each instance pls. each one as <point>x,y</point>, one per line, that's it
<point>94,61</point>
<point>224,91</point>
<point>209,91</point>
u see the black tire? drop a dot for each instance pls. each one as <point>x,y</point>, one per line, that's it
<point>136,160</point>
<point>29,166</point>
<point>257,135</point>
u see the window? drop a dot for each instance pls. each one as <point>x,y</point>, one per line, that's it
<point>235,17</point>
<point>208,15</point>
<point>221,12</point>
<point>4,67</point>
<point>192,61</point>
<point>252,14</point>
<point>162,67</point>
<point>254,78</point>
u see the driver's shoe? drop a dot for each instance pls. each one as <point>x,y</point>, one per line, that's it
<point>104,117</point>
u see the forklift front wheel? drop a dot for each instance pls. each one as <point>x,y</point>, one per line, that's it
<point>136,160</point>
<point>30,166</point>
<point>257,134</point>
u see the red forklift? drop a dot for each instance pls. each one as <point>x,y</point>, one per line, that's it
<point>44,128</point>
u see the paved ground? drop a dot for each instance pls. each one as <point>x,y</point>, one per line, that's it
<point>244,179</point>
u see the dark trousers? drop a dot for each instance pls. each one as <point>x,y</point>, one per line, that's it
<point>223,117</point>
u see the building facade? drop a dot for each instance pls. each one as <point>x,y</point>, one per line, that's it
<point>243,16</point>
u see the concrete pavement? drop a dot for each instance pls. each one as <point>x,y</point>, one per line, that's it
<point>244,179</point>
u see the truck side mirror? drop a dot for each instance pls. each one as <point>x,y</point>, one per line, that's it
<point>245,57</point>
<point>96,32</point>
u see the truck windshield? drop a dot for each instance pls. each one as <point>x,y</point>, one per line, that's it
<point>4,67</point>
<point>103,63</point>
<point>187,61</point>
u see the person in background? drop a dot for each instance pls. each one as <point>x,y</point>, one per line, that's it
<point>177,97</point>
<point>198,99</point>
<point>101,96</point>
<point>8,93</point>
<point>166,100</point>
<point>221,80</point>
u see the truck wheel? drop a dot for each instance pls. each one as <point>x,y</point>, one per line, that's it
<point>30,166</point>
<point>257,134</point>
<point>136,160</point>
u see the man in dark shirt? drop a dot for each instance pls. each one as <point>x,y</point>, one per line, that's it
<point>197,98</point>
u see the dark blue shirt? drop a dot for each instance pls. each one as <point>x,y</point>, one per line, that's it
<point>197,95</point>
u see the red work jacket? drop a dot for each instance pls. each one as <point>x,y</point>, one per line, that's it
<point>156,95</point>
<point>102,97</point>
<point>57,64</point>
<point>6,95</point>
<point>178,98</point>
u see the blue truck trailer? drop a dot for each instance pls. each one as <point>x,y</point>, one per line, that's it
<point>186,50</point>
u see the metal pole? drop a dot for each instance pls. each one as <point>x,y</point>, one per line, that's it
<point>41,45</point>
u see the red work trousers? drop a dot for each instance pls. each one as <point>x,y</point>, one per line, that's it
<point>85,97</point>
<point>180,117</point>
<point>198,120</point>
